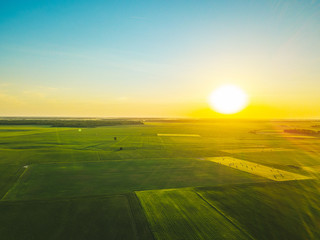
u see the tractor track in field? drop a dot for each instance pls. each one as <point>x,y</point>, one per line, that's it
<point>226,217</point>
<point>16,182</point>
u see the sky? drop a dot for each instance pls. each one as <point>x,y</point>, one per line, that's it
<point>158,58</point>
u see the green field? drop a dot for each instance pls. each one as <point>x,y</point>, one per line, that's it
<point>258,169</point>
<point>87,218</point>
<point>45,181</point>
<point>282,210</point>
<point>182,214</point>
<point>9,175</point>
<point>62,183</point>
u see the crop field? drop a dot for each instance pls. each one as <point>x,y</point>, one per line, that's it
<point>177,135</point>
<point>313,169</point>
<point>9,174</point>
<point>182,214</point>
<point>44,181</point>
<point>87,218</point>
<point>280,210</point>
<point>297,136</point>
<point>133,182</point>
<point>11,131</point>
<point>257,169</point>
<point>253,150</point>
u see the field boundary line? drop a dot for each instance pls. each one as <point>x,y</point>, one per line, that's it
<point>89,146</point>
<point>143,210</point>
<point>226,217</point>
<point>17,181</point>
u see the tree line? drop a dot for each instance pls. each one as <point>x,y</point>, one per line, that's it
<point>302,131</point>
<point>70,123</point>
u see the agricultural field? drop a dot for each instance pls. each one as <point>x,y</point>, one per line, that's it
<point>159,180</point>
<point>282,210</point>
<point>87,218</point>
<point>257,149</point>
<point>9,173</point>
<point>181,214</point>
<point>258,169</point>
<point>43,181</point>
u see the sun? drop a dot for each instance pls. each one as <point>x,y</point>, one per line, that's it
<point>228,99</point>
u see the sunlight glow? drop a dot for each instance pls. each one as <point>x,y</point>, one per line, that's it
<point>228,99</point>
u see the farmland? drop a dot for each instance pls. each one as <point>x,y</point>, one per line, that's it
<point>258,169</point>
<point>88,218</point>
<point>282,210</point>
<point>171,212</point>
<point>42,181</point>
<point>159,180</point>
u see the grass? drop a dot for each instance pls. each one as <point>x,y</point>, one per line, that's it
<point>303,155</point>
<point>177,135</point>
<point>314,170</point>
<point>297,136</point>
<point>282,210</point>
<point>13,131</point>
<point>182,214</point>
<point>142,227</point>
<point>9,173</point>
<point>258,169</point>
<point>73,174</point>
<point>45,181</point>
<point>87,218</point>
<point>255,150</point>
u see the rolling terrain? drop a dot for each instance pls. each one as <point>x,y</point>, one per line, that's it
<point>163,179</point>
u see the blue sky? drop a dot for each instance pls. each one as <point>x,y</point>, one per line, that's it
<point>159,52</point>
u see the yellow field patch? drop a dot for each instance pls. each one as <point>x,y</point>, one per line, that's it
<point>177,135</point>
<point>296,136</point>
<point>269,132</point>
<point>313,169</point>
<point>257,169</point>
<point>252,150</point>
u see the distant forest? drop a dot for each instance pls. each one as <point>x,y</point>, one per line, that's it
<point>70,123</point>
<point>302,131</point>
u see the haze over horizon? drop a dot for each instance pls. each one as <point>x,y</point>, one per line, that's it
<point>158,58</point>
